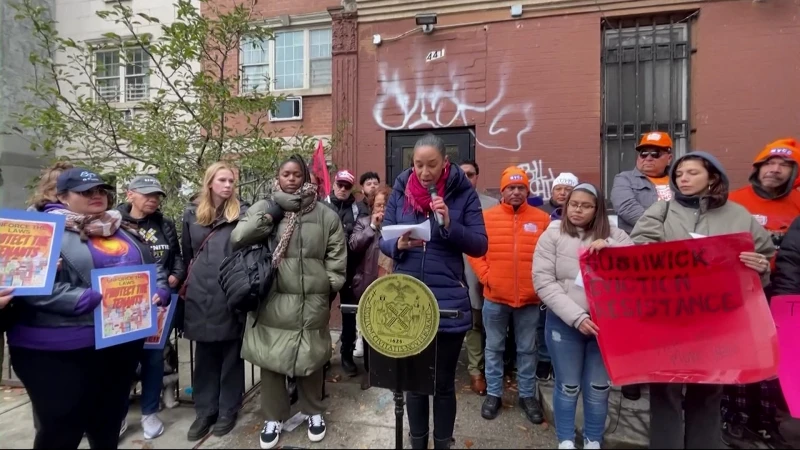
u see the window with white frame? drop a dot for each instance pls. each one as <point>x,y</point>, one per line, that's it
<point>293,60</point>
<point>122,75</point>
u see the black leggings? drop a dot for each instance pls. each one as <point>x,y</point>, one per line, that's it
<point>78,391</point>
<point>444,399</point>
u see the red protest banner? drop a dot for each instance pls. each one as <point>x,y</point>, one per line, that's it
<point>681,312</point>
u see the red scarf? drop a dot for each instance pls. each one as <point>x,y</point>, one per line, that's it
<point>417,197</point>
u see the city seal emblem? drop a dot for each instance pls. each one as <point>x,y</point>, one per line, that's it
<point>398,316</point>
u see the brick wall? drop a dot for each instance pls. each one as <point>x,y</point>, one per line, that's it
<point>746,79</point>
<point>521,84</point>
<point>317,108</point>
<point>531,87</point>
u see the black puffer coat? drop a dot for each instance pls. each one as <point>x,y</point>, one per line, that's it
<point>786,278</point>
<point>207,318</point>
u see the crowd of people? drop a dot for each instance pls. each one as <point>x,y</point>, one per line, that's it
<point>509,266</point>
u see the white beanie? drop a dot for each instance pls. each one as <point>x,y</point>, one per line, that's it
<point>565,178</point>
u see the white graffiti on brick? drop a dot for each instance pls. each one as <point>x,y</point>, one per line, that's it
<point>436,106</point>
<point>541,179</point>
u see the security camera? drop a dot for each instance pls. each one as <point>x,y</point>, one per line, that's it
<point>426,21</point>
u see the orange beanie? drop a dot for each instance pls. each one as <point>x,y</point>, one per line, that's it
<point>514,175</point>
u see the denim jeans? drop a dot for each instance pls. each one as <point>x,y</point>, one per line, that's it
<point>578,366</point>
<point>152,376</point>
<point>495,321</point>
<point>541,342</point>
<point>152,380</point>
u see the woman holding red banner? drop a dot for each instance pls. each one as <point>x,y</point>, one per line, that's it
<point>699,206</point>
<point>570,333</point>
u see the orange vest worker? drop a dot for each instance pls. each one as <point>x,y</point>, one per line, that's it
<point>506,270</point>
<point>774,212</point>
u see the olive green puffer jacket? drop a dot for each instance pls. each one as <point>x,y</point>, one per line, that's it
<point>291,335</point>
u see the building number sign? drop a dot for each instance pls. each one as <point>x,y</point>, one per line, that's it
<point>434,55</point>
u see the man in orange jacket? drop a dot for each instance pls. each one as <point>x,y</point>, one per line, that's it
<point>749,411</point>
<point>505,271</point>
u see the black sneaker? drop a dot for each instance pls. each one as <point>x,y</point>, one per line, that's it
<point>270,434</point>
<point>348,365</point>
<point>316,428</point>
<point>773,437</point>
<point>224,425</point>
<point>200,428</point>
<point>632,392</point>
<point>544,371</point>
<point>491,407</point>
<point>532,409</point>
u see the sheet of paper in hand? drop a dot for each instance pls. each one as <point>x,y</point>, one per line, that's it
<point>418,231</point>
<point>681,312</point>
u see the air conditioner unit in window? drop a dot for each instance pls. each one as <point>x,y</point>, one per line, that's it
<point>127,115</point>
<point>291,108</point>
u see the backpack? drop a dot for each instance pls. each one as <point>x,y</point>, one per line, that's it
<point>246,277</point>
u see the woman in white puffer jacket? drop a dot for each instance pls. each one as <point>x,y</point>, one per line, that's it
<point>570,334</point>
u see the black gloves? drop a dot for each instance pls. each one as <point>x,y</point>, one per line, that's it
<point>275,212</point>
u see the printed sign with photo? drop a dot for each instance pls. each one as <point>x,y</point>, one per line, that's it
<point>30,243</point>
<point>164,317</point>
<point>127,312</point>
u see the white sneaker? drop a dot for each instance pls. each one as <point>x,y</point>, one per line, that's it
<point>316,428</point>
<point>569,445</point>
<point>359,350</point>
<point>124,427</point>
<point>270,434</point>
<point>591,445</point>
<point>152,426</point>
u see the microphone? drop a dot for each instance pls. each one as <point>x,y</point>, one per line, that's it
<point>434,194</point>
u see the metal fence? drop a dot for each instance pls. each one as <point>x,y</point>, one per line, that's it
<point>185,370</point>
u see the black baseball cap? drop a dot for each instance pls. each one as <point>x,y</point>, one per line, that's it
<point>146,184</point>
<point>79,180</point>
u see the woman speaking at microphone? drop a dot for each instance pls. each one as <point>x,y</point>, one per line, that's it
<point>457,228</point>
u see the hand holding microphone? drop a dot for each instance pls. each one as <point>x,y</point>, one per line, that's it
<point>439,208</point>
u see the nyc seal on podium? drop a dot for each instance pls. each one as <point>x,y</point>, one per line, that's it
<point>398,316</point>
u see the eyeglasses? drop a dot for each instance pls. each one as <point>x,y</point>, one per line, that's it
<point>581,206</point>
<point>344,186</point>
<point>93,191</point>
<point>655,154</point>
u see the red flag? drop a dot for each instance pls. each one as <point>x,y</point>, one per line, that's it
<point>319,167</point>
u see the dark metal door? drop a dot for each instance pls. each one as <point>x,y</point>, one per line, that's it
<point>459,143</point>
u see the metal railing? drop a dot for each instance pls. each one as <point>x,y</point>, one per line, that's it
<point>185,366</point>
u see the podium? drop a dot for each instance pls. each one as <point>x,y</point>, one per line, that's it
<point>415,373</point>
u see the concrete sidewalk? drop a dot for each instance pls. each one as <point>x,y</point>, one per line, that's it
<point>355,419</point>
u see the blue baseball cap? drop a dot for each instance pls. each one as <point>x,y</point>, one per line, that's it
<point>79,180</point>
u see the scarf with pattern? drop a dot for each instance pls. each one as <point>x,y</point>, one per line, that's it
<point>103,224</point>
<point>306,190</point>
